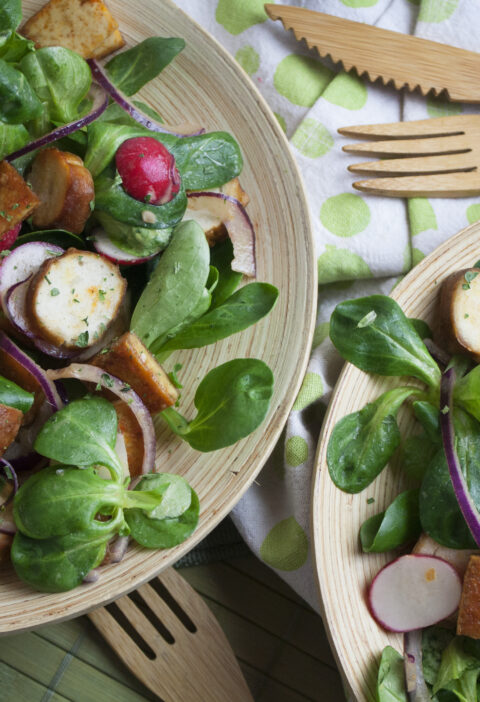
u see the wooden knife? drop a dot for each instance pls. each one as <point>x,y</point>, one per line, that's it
<point>397,59</point>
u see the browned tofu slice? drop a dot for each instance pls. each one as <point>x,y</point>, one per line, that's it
<point>10,422</point>
<point>65,189</point>
<point>17,200</point>
<point>468,622</point>
<point>128,359</point>
<point>80,25</point>
<point>112,43</point>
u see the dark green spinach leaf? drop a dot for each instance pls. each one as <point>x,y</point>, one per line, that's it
<point>10,14</point>
<point>363,442</point>
<point>391,677</point>
<point>374,334</point>
<point>398,525</point>
<point>130,70</point>
<point>12,137</point>
<point>18,102</point>
<point>232,400</point>
<point>14,396</point>
<point>221,256</point>
<point>208,160</point>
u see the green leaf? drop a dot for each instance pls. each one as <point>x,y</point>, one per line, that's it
<point>208,160</point>
<point>239,311</point>
<point>467,392</point>
<point>61,79</point>
<point>130,70</point>
<point>12,138</point>
<point>434,640</point>
<point>398,525</point>
<point>458,672</point>
<point>388,345</point>
<point>422,328</point>
<point>83,433</point>
<point>175,518</point>
<point>139,241</point>
<point>363,442</point>
<point>18,102</point>
<point>221,256</point>
<point>57,564</point>
<point>60,500</point>
<point>232,400</point>
<point>391,677</point>
<point>10,14</point>
<point>58,237</point>
<point>14,396</point>
<point>14,48</point>
<point>175,287</point>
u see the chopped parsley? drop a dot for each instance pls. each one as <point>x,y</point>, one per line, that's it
<point>101,295</point>
<point>47,279</point>
<point>82,339</point>
<point>54,292</point>
<point>107,380</point>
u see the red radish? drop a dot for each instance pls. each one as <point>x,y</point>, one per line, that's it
<point>147,170</point>
<point>414,592</point>
<point>10,237</point>
<point>104,246</point>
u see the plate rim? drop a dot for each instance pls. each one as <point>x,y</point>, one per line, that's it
<point>320,467</point>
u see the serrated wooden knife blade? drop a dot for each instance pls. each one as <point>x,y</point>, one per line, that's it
<point>399,59</point>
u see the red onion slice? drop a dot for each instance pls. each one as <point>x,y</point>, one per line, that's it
<point>99,105</point>
<point>92,374</point>
<point>179,130</point>
<point>417,690</point>
<point>48,386</point>
<point>237,223</point>
<point>465,501</point>
<point>105,246</point>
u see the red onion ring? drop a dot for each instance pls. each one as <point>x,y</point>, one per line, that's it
<point>180,130</point>
<point>100,104</point>
<point>92,374</point>
<point>462,493</point>
<point>417,690</point>
<point>237,223</point>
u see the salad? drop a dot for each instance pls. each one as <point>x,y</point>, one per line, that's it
<point>430,589</point>
<point>122,240</point>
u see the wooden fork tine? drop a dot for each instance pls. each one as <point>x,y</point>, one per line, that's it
<point>441,185</point>
<point>411,147</point>
<point>439,126</point>
<point>422,164</point>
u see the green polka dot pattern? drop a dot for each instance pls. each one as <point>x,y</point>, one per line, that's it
<point>473,213</point>
<point>311,390</point>
<point>312,139</point>
<point>320,334</point>
<point>417,256</point>
<point>345,215</point>
<point>238,15</point>
<point>440,108</point>
<point>347,91</point>
<point>248,59</point>
<point>296,451</point>
<point>437,10</point>
<point>421,215</point>
<point>286,546</point>
<point>337,264</point>
<point>301,79</point>
<point>359,3</point>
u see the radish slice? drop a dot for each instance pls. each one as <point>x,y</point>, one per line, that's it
<point>21,263</point>
<point>462,493</point>
<point>104,246</point>
<point>99,104</point>
<point>417,690</point>
<point>92,374</point>
<point>240,229</point>
<point>180,130</point>
<point>414,592</point>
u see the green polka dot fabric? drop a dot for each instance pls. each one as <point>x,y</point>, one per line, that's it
<point>364,244</point>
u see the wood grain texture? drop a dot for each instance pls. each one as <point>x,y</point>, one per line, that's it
<point>205,83</point>
<point>397,59</point>
<point>198,664</point>
<point>343,571</point>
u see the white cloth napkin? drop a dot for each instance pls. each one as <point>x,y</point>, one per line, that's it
<point>363,243</point>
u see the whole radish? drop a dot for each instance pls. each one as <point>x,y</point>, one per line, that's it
<point>147,170</point>
<point>10,237</point>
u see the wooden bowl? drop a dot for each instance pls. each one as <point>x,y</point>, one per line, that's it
<point>204,84</point>
<point>343,571</point>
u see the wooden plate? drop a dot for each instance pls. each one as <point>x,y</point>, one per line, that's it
<point>343,570</point>
<point>204,84</point>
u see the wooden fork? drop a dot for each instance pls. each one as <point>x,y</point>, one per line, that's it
<point>168,637</point>
<point>437,157</point>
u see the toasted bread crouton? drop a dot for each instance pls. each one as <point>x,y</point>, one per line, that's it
<point>215,230</point>
<point>131,361</point>
<point>80,25</point>
<point>468,622</point>
<point>17,200</point>
<point>112,43</point>
<point>132,436</point>
<point>65,188</point>
<point>73,298</point>
<point>10,422</point>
